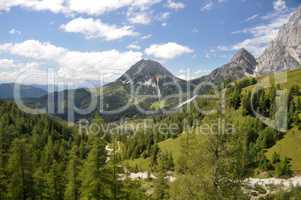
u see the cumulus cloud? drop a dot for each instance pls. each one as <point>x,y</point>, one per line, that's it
<point>55,6</point>
<point>141,17</point>
<point>25,73</point>
<point>92,28</point>
<point>175,5</point>
<point>167,51</point>
<point>72,64</point>
<point>93,65</point>
<point>89,7</point>
<point>7,64</point>
<point>33,49</point>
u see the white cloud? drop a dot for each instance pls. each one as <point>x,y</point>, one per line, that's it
<point>279,5</point>
<point>14,31</point>
<point>55,6</point>
<point>175,5</point>
<point>139,17</point>
<point>33,49</point>
<point>90,65</point>
<point>7,64</point>
<point>91,28</point>
<point>262,35</point>
<point>89,7</point>
<point>146,37</point>
<point>164,16</point>
<point>25,73</point>
<point>72,64</point>
<point>167,51</point>
<point>133,46</point>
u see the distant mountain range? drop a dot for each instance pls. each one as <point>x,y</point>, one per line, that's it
<point>27,91</point>
<point>147,82</point>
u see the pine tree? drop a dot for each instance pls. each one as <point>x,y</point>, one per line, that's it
<point>3,161</point>
<point>20,171</point>
<point>161,186</point>
<point>40,185</point>
<point>73,182</point>
<point>92,176</point>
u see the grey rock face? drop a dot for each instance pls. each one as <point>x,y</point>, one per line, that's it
<point>152,78</point>
<point>242,63</point>
<point>284,53</point>
<point>146,70</point>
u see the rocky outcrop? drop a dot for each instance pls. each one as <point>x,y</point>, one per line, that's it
<point>149,77</point>
<point>284,53</point>
<point>242,64</point>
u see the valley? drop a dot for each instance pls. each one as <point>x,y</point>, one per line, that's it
<point>233,133</point>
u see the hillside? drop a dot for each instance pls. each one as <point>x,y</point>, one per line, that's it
<point>27,91</point>
<point>244,123</point>
<point>242,64</point>
<point>139,88</point>
<point>289,147</point>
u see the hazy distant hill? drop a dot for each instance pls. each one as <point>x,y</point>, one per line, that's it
<point>27,91</point>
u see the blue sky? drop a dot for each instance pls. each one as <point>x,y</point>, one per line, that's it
<point>79,39</point>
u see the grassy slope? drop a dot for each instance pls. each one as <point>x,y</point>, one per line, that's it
<point>293,78</point>
<point>172,146</point>
<point>158,105</point>
<point>289,146</point>
<point>142,164</point>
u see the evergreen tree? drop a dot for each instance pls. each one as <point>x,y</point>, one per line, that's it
<point>72,174</point>
<point>20,171</point>
<point>161,186</point>
<point>92,177</point>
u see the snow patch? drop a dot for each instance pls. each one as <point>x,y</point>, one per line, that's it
<point>291,182</point>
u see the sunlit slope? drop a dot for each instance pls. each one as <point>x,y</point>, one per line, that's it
<point>289,146</point>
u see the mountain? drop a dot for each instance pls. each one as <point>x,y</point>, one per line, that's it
<point>284,53</point>
<point>27,91</point>
<point>139,89</point>
<point>242,64</point>
<point>148,77</point>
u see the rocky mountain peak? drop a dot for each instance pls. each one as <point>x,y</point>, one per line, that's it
<point>284,53</point>
<point>242,63</point>
<point>243,57</point>
<point>145,70</point>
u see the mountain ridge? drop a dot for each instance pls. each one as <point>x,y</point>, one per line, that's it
<point>27,91</point>
<point>241,64</point>
<point>284,52</point>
